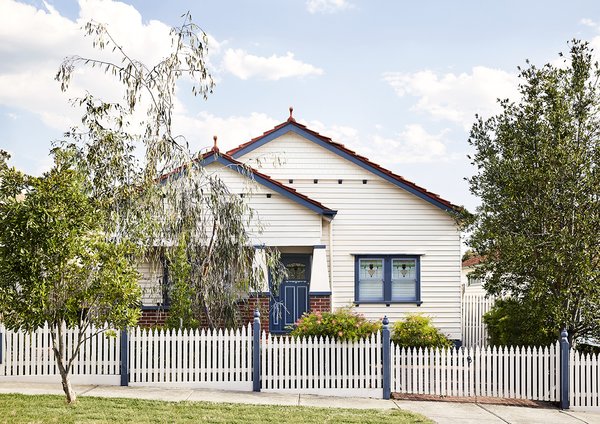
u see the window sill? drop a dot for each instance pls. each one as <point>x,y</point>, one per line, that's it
<point>394,302</point>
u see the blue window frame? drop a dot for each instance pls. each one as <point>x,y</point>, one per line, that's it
<point>387,279</point>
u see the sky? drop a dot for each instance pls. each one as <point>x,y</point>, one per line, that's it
<point>397,81</point>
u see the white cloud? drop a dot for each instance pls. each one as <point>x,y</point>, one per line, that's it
<point>231,131</point>
<point>588,22</point>
<point>339,133</point>
<point>30,61</point>
<point>456,97</point>
<point>244,65</point>
<point>327,6</point>
<point>412,145</point>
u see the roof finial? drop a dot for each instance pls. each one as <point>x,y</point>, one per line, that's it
<point>291,118</point>
<point>215,147</point>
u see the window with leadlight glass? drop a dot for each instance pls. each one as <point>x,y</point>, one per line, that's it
<point>387,279</point>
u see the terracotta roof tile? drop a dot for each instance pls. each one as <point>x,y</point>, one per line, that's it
<point>475,260</point>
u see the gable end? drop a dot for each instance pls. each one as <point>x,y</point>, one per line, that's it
<point>347,154</point>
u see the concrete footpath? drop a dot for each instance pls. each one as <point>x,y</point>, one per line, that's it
<point>440,412</point>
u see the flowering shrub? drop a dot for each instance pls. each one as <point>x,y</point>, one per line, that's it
<point>417,331</point>
<point>342,324</point>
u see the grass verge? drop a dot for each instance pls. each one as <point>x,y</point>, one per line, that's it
<point>16,408</point>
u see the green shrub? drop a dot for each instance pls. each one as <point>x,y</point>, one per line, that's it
<point>417,331</point>
<point>343,324</point>
<point>513,322</point>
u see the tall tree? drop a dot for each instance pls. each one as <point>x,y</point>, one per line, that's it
<point>190,213</point>
<point>539,183</point>
<point>56,266</point>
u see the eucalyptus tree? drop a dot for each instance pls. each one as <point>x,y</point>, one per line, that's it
<point>539,183</point>
<point>166,199</point>
<point>56,264</point>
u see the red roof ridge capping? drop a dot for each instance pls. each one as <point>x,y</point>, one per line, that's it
<point>348,151</point>
<point>215,151</point>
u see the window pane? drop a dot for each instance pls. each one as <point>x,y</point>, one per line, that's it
<point>404,279</point>
<point>370,281</point>
<point>296,271</point>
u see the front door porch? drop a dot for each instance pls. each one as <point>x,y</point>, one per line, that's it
<point>290,300</point>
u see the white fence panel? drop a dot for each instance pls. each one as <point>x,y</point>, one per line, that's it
<point>584,381</point>
<point>191,358</point>
<point>474,306</point>
<point>28,357</point>
<point>320,365</point>
<point>514,372</point>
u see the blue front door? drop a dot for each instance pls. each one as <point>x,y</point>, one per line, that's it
<point>290,300</point>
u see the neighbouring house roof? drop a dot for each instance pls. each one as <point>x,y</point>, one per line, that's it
<point>343,151</point>
<point>475,260</point>
<point>214,155</point>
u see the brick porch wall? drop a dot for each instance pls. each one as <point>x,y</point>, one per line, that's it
<point>320,303</point>
<point>153,318</point>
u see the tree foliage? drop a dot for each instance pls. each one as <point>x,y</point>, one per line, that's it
<point>188,215</point>
<point>56,264</point>
<point>539,183</point>
<point>513,322</point>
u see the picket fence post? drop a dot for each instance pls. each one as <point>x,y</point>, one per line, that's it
<point>124,358</point>
<point>386,358</point>
<point>564,369</point>
<point>256,352</point>
<point>1,339</point>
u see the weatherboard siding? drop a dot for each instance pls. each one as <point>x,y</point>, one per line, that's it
<point>151,273</point>
<point>373,218</point>
<point>281,221</point>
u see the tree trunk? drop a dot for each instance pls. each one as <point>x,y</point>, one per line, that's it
<point>59,354</point>
<point>66,385</point>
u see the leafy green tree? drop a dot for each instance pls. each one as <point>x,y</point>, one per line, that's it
<point>190,213</point>
<point>539,183</point>
<point>56,263</point>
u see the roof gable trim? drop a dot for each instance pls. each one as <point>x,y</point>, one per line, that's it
<point>293,128</point>
<point>280,189</point>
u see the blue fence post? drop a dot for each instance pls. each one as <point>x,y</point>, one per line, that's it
<point>124,358</point>
<point>386,357</point>
<point>564,369</point>
<point>256,352</point>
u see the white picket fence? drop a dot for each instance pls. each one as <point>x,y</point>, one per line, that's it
<point>584,380</point>
<point>191,358</point>
<point>474,306</point>
<point>223,359</point>
<point>28,357</point>
<point>514,372</point>
<point>322,366</point>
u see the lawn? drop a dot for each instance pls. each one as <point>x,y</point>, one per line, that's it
<point>52,409</point>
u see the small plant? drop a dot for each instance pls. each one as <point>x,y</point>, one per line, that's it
<point>343,325</point>
<point>417,331</point>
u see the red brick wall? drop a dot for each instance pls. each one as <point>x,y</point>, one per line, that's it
<point>316,303</point>
<point>320,303</point>
<point>153,318</point>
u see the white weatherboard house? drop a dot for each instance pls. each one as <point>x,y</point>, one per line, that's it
<point>350,231</point>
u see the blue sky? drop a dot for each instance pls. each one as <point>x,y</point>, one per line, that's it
<point>397,81</point>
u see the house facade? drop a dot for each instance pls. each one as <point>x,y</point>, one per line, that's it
<point>350,232</point>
